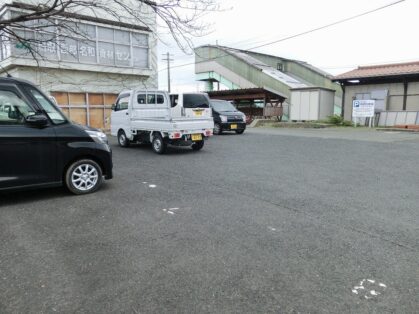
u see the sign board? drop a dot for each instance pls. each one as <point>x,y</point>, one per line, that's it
<point>363,108</point>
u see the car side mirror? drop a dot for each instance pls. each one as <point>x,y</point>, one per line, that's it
<point>113,107</point>
<point>37,120</point>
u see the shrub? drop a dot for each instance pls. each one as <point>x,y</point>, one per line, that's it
<point>335,119</point>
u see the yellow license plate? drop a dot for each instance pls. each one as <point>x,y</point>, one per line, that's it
<point>198,113</point>
<point>233,126</point>
<point>196,137</point>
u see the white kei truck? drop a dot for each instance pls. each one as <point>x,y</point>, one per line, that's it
<point>146,116</point>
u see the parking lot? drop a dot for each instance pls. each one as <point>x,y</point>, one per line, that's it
<point>271,221</point>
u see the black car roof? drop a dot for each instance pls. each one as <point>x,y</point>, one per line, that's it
<point>14,80</point>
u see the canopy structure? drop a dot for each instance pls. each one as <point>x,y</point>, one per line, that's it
<point>248,98</point>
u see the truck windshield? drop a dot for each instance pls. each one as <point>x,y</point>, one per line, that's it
<point>222,106</point>
<point>195,101</point>
<point>53,113</point>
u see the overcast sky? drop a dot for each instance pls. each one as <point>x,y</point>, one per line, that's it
<point>387,36</point>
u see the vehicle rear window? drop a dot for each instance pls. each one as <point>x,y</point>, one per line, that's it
<point>195,101</point>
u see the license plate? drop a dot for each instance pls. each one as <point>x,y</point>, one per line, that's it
<point>233,126</point>
<point>197,113</point>
<point>196,137</point>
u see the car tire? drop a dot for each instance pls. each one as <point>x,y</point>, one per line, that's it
<point>123,141</point>
<point>197,145</point>
<point>217,129</point>
<point>239,131</point>
<point>83,176</point>
<point>158,144</point>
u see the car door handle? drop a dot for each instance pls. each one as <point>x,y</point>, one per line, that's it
<point>126,113</point>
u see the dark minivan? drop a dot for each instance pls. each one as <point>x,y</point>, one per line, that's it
<point>227,117</point>
<point>40,147</point>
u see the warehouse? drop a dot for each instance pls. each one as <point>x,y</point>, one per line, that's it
<point>83,73</point>
<point>394,87</point>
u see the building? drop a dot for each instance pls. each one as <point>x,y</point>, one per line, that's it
<point>84,69</point>
<point>394,87</point>
<point>235,69</point>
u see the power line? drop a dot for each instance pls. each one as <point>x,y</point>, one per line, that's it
<point>329,25</point>
<point>300,34</point>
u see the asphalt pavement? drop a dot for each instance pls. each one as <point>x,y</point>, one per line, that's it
<point>271,221</point>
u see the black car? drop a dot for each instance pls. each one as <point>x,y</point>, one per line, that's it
<point>40,147</point>
<point>227,117</point>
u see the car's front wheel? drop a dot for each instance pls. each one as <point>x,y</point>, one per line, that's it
<point>217,129</point>
<point>83,177</point>
<point>123,141</point>
<point>239,131</point>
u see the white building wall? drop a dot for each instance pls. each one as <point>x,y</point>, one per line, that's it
<point>50,80</point>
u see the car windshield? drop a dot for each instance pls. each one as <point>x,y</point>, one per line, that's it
<point>53,113</point>
<point>223,106</point>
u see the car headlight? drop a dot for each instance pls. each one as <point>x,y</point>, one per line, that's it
<point>244,118</point>
<point>98,137</point>
<point>223,118</point>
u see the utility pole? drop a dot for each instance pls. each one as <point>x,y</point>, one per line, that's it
<point>168,59</point>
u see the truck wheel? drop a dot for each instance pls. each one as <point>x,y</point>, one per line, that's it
<point>239,131</point>
<point>83,176</point>
<point>123,141</point>
<point>158,144</point>
<point>217,129</point>
<point>197,145</point>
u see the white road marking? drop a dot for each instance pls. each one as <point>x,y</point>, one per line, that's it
<point>367,291</point>
<point>170,212</point>
<point>144,182</point>
<point>164,209</point>
<point>152,186</point>
<point>272,228</point>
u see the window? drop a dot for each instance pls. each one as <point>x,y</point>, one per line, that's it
<point>53,113</point>
<point>141,99</point>
<point>160,99</point>
<point>174,100</point>
<point>122,103</point>
<point>79,42</point>
<point>151,99</point>
<point>195,101</point>
<point>13,110</point>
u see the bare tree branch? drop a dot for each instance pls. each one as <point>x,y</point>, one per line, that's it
<point>182,18</point>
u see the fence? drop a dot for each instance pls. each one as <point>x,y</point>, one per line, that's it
<point>92,109</point>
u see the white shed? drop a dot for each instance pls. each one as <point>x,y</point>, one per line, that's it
<point>311,103</point>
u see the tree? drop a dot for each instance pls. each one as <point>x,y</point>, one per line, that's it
<point>182,18</point>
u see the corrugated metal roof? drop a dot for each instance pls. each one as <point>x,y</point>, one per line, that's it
<point>384,70</point>
<point>267,69</point>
